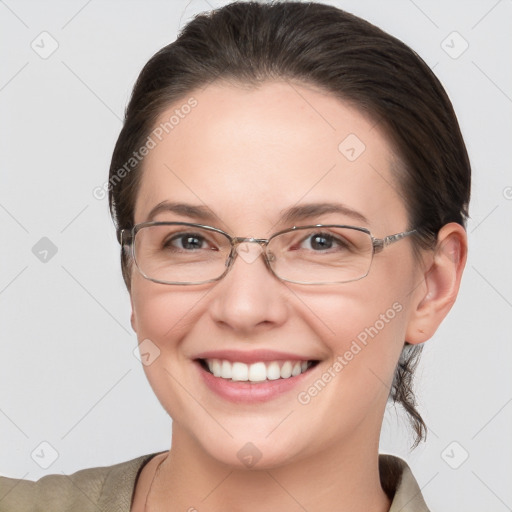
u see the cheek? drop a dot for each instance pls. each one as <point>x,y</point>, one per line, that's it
<point>162,314</point>
<point>163,318</point>
<point>364,334</point>
<point>355,312</point>
<point>364,337</point>
<point>363,325</point>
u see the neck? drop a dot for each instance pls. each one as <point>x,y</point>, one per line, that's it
<point>342,478</point>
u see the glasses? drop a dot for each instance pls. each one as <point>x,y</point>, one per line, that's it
<point>183,253</point>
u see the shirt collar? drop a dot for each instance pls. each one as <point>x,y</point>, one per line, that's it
<point>400,485</point>
<point>396,478</point>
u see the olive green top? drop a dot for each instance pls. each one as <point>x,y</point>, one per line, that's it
<point>110,489</point>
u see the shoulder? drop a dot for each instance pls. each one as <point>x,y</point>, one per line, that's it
<point>400,485</point>
<point>94,489</point>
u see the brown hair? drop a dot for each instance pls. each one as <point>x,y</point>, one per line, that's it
<point>247,43</point>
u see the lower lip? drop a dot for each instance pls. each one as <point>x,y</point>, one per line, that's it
<point>250,392</point>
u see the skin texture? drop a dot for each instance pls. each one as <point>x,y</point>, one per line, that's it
<point>248,154</point>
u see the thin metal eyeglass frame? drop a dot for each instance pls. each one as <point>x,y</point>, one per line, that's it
<point>127,238</point>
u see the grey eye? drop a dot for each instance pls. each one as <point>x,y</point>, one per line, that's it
<point>187,241</point>
<point>321,242</point>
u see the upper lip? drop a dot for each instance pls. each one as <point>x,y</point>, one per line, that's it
<point>253,356</point>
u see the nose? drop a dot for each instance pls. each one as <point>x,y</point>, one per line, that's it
<point>249,298</point>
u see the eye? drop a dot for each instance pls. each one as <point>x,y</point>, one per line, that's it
<point>323,242</point>
<point>187,242</point>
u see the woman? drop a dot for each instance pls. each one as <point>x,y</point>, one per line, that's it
<point>290,190</point>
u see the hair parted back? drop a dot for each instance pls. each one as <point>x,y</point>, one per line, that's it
<point>248,43</point>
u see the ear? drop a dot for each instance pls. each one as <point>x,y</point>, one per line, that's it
<point>133,318</point>
<point>437,292</point>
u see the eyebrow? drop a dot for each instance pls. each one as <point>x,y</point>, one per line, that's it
<point>290,215</point>
<point>201,213</point>
<point>307,211</point>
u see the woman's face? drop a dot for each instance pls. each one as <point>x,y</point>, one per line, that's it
<point>243,160</point>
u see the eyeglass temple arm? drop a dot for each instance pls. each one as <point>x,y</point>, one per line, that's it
<point>125,237</point>
<point>380,243</point>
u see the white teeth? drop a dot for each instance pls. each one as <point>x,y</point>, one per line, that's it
<point>226,372</point>
<point>286,370</point>
<point>296,370</point>
<point>273,371</point>
<point>240,371</point>
<point>215,368</point>
<point>256,372</point>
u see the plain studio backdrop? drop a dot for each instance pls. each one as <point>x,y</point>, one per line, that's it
<point>72,392</point>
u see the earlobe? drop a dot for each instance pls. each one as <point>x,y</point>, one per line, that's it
<point>441,282</point>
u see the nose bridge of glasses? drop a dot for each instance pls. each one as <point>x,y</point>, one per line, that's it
<point>249,249</point>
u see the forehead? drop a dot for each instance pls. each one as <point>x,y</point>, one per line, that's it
<point>249,153</point>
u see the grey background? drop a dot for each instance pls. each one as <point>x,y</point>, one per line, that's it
<point>68,376</point>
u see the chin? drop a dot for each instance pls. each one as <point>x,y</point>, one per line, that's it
<point>253,452</point>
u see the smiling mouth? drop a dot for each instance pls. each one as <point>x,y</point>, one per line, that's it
<point>235,371</point>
